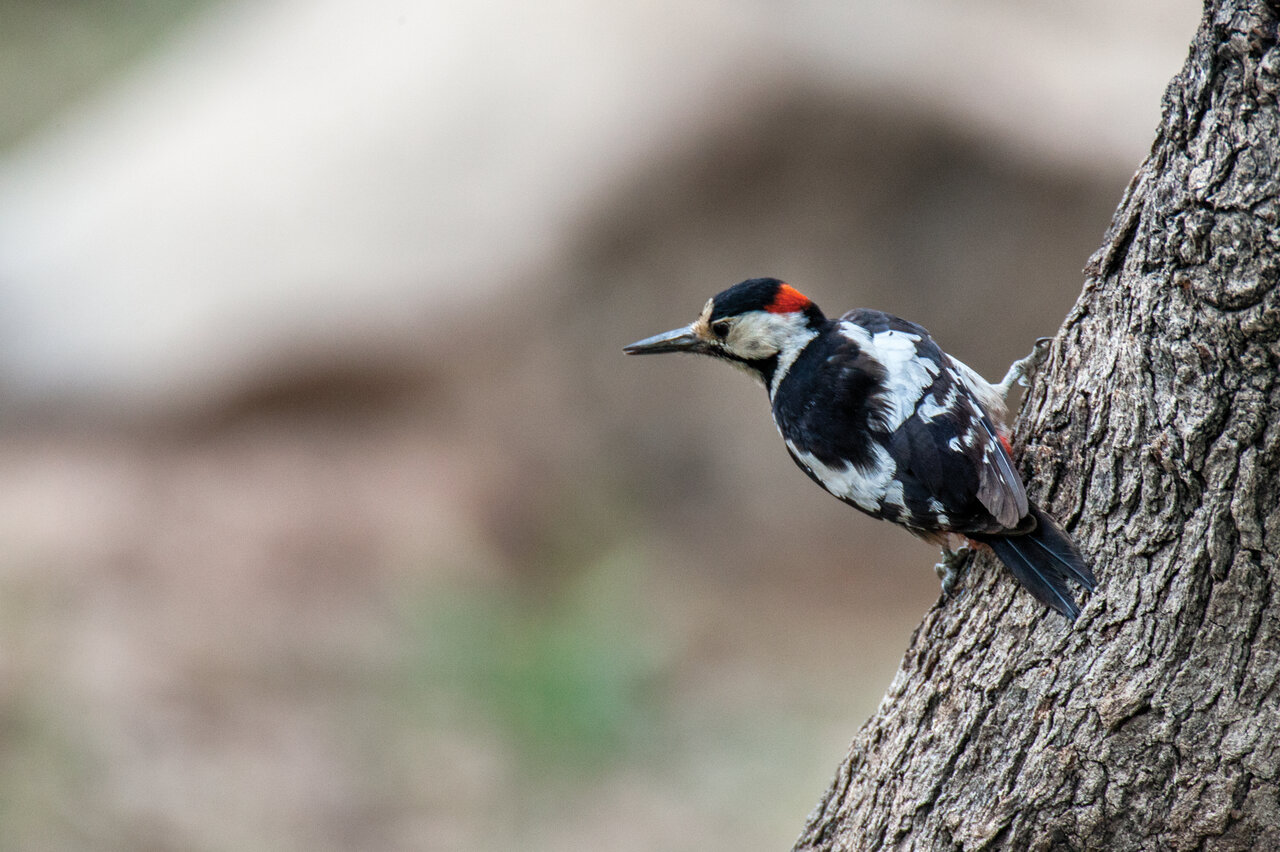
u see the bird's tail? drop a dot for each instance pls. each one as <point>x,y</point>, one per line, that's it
<point>1043,560</point>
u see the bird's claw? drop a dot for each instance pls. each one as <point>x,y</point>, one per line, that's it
<point>1023,371</point>
<point>952,568</point>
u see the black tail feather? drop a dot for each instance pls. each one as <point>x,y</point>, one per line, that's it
<point>1044,560</point>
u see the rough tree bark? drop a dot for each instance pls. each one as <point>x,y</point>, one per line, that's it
<point>1154,434</point>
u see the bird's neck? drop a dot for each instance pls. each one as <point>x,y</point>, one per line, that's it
<point>792,346</point>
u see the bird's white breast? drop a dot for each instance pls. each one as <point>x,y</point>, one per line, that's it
<point>869,487</point>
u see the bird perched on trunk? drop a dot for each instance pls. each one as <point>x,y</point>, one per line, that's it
<point>874,412</point>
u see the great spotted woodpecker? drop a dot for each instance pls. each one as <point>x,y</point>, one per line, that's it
<point>874,412</point>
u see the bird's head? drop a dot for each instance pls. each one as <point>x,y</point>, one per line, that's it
<point>752,325</point>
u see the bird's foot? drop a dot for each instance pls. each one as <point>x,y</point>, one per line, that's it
<point>1023,371</point>
<point>952,568</point>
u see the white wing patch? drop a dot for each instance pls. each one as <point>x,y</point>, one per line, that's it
<point>930,407</point>
<point>907,375</point>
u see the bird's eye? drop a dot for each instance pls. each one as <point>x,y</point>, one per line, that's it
<point>720,329</point>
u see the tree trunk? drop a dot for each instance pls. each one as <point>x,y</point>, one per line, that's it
<point>1153,434</point>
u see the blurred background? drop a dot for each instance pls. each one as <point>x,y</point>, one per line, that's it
<point>332,515</point>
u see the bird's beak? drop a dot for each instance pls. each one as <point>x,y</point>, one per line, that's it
<point>678,340</point>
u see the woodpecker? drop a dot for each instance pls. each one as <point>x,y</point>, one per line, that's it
<point>879,416</point>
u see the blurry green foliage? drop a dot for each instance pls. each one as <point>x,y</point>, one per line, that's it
<point>569,676</point>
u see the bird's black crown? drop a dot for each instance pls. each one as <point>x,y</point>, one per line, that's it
<point>762,294</point>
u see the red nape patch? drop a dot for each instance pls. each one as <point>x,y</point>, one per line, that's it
<point>788,300</point>
<point>1008,448</point>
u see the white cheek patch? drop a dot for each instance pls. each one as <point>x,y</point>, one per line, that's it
<point>760,334</point>
<point>751,338</point>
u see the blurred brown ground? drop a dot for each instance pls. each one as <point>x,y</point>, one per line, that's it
<point>491,584</point>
